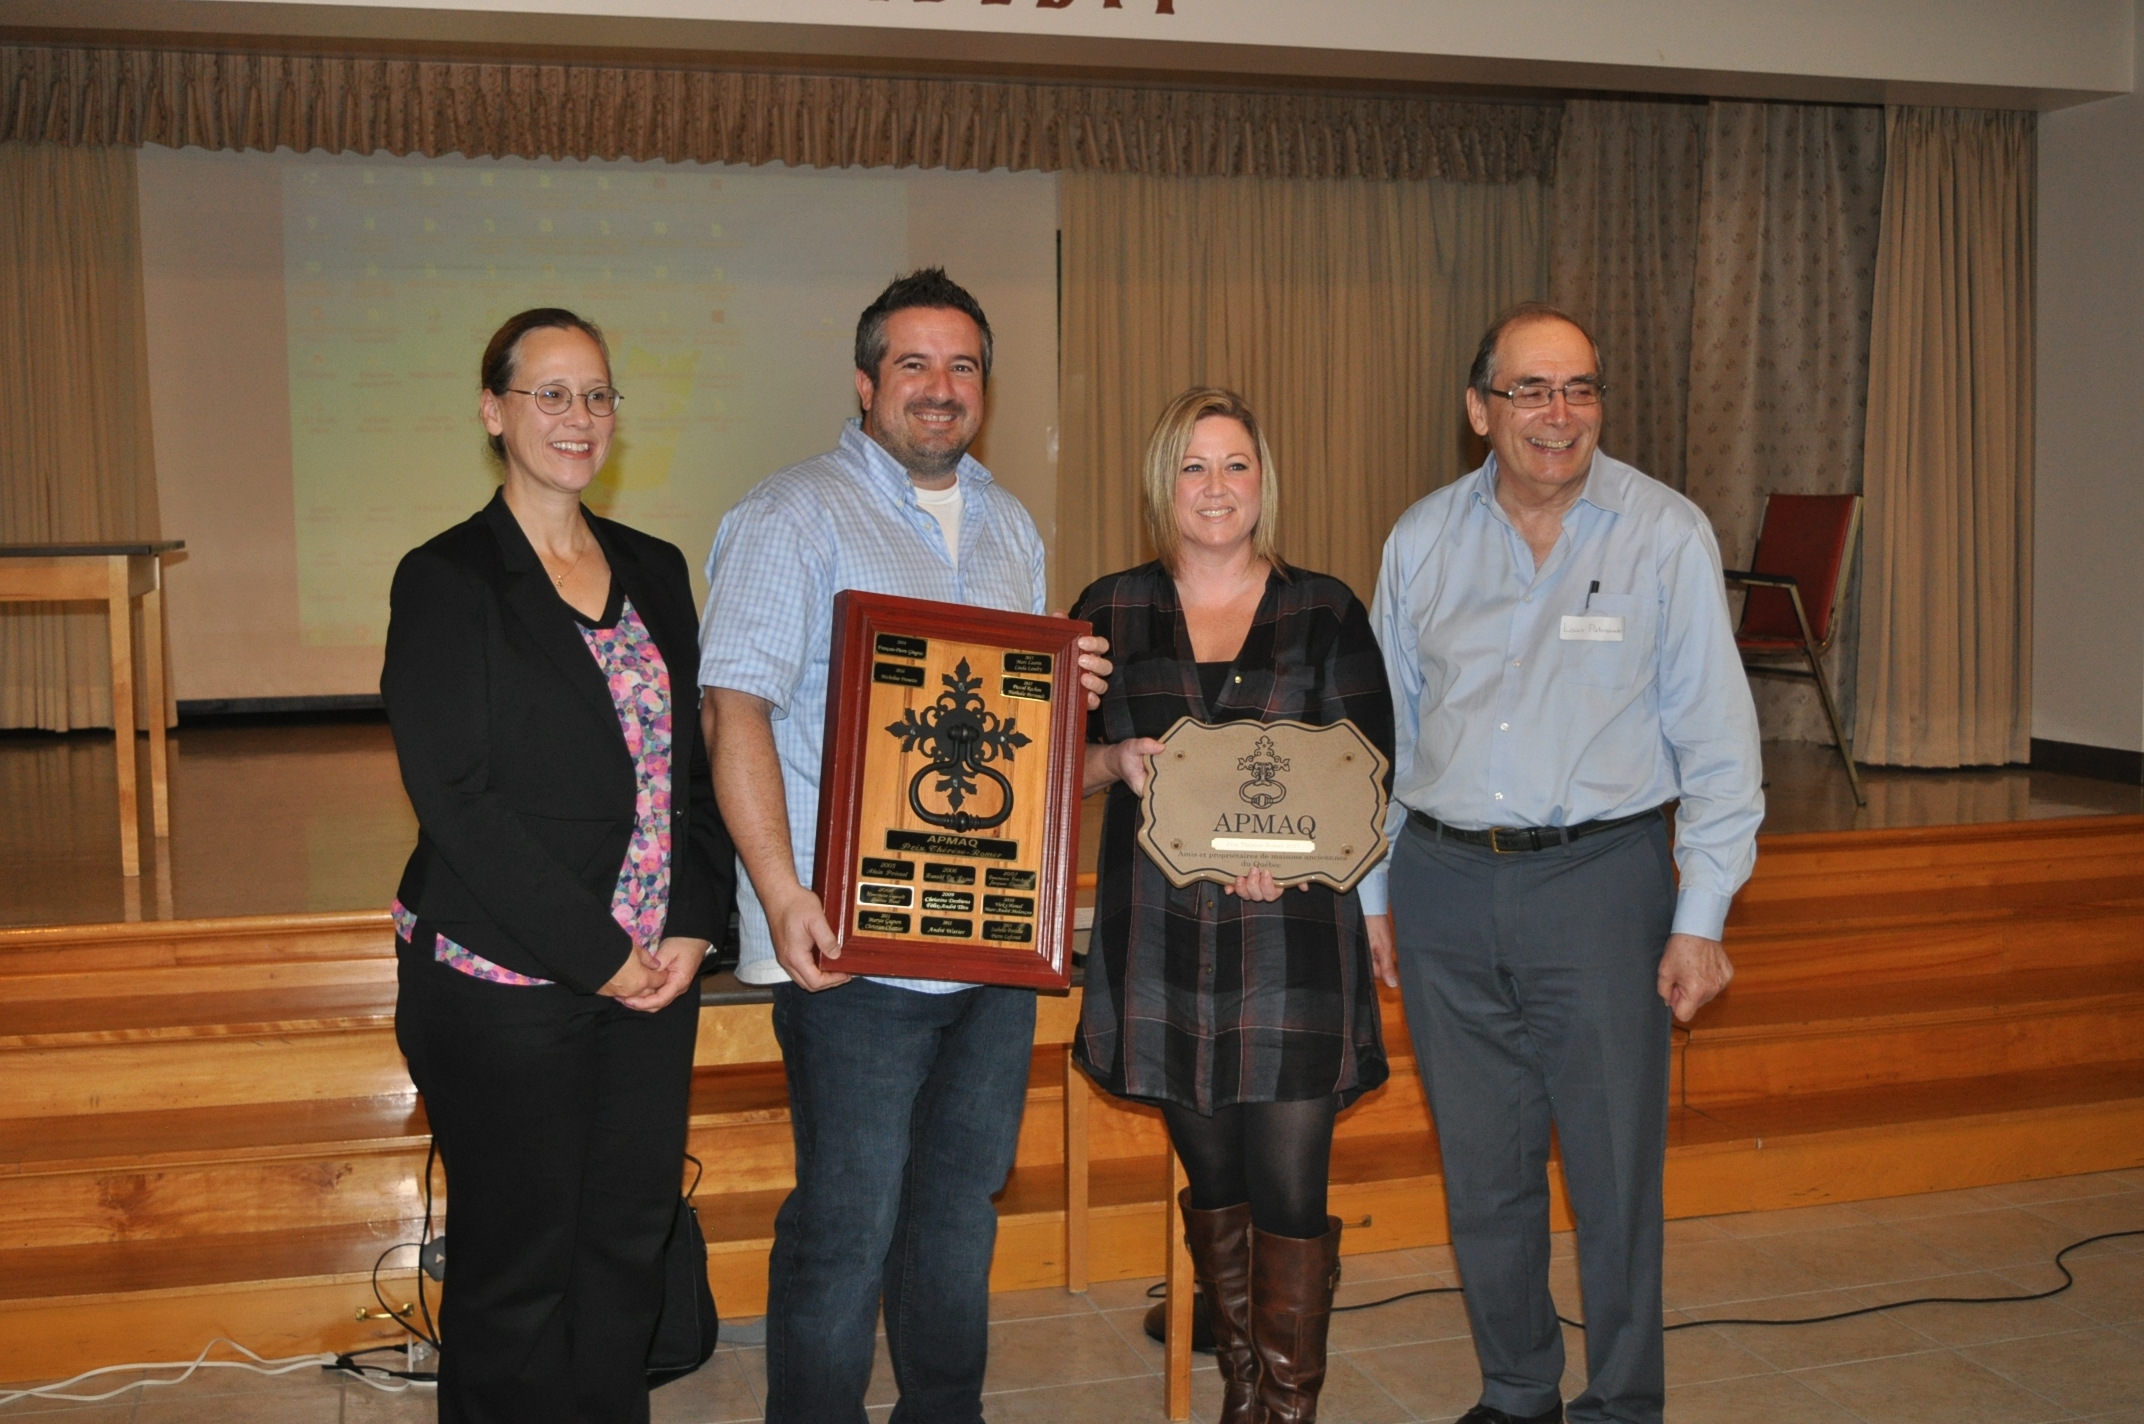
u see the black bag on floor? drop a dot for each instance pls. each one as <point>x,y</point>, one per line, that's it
<point>687,1329</point>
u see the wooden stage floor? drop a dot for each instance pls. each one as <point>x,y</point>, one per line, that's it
<point>298,819</point>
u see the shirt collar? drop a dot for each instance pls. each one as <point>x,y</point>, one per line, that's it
<point>1608,485</point>
<point>880,470</point>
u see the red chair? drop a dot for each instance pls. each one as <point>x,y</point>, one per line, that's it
<point>1805,552</point>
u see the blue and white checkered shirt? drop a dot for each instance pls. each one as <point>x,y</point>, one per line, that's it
<point>846,519</point>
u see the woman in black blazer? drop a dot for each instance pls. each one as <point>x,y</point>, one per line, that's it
<point>571,871</point>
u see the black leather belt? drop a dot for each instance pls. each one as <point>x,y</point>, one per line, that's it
<point>1517,840</point>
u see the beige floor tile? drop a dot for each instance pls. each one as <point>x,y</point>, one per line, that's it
<point>1936,1388</point>
<point>1117,1295</point>
<point>1433,1317</point>
<point>318,1403</point>
<point>1038,1304</point>
<point>1562,1244</point>
<point>2048,1189</point>
<point>115,1411</point>
<point>2089,1371</point>
<point>2090,1216</point>
<point>1379,1266</point>
<point>1927,1204</point>
<point>1120,1399</point>
<point>1705,1273</point>
<point>1794,1347</point>
<point>1703,1355</point>
<point>1435,1259</point>
<point>1130,1326</point>
<point>364,1405</point>
<point>2109,1289</point>
<point>1693,1228</point>
<point>1765,1399</point>
<point>1865,1255</point>
<point>1033,1354</point>
<point>1349,1397</point>
<point>717,1393</point>
<point>2011,1236</point>
<point>1978,1324</point>
<point>1437,1380</point>
<point>1745,1225</point>
<point>1563,1284</point>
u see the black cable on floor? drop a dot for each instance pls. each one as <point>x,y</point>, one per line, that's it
<point>2068,1280</point>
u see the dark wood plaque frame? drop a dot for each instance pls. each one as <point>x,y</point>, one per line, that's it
<point>845,824</point>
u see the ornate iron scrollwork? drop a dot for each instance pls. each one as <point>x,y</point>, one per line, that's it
<point>961,736</point>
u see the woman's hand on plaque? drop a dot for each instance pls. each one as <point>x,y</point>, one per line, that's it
<point>802,939</point>
<point>1255,885</point>
<point>1126,761</point>
<point>1094,668</point>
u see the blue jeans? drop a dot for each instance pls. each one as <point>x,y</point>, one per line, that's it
<point>906,1109</point>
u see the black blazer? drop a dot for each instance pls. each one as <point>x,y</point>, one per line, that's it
<point>514,760</point>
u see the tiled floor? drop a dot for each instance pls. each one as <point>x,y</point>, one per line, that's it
<point>1058,1358</point>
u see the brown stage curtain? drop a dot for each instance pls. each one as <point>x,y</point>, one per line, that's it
<point>1779,339</point>
<point>1345,311</point>
<point>1623,260</point>
<point>1945,652</point>
<point>78,464</point>
<point>355,104</point>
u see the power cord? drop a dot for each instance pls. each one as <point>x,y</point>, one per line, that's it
<point>2068,1280</point>
<point>258,1364</point>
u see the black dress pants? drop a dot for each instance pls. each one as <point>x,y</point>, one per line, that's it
<point>561,1120</point>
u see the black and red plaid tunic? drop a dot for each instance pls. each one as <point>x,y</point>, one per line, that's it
<point>1194,996</point>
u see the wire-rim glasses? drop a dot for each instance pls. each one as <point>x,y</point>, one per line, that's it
<point>602,401</point>
<point>1533,395</point>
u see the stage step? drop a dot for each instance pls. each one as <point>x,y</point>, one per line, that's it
<point>209,1130</point>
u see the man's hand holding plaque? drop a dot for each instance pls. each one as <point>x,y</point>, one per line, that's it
<point>1304,804</point>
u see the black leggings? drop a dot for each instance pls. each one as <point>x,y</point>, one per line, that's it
<point>1276,1156</point>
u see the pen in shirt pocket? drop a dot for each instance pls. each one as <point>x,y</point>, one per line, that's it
<point>1596,588</point>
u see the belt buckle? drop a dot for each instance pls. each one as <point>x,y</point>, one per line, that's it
<point>1496,845</point>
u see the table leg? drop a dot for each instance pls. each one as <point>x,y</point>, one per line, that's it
<point>120,627</point>
<point>152,651</point>
<point>1176,1394</point>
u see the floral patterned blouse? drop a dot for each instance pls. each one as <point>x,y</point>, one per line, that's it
<point>640,689</point>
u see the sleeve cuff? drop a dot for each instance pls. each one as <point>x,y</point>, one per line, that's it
<point>1701,912</point>
<point>1371,890</point>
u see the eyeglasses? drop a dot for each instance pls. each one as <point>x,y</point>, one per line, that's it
<point>557,400</point>
<point>1536,394</point>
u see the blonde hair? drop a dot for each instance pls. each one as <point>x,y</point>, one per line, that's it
<point>1165,459</point>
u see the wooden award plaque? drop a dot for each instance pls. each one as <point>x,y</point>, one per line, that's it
<point>1306,803</point>
<point>949,795</point>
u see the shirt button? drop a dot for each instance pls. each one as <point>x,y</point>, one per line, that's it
<point>1499,795</point>
<point>1503,726</point>
<point>1517,661</point>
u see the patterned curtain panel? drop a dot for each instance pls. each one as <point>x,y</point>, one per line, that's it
<point>1946,660</point>
<point>78,465</point>
<point>1623,260</point>
<point>1346,312</point>
<point>357,104</point>
<point>1779,339</point>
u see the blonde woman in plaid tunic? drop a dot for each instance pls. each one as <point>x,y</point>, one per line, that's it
<point>1247,1014</point>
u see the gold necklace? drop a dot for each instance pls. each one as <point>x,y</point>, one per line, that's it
<point>559,580</point>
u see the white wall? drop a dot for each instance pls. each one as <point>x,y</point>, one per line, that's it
<point>2088,541</point>
<point>2005,53</point>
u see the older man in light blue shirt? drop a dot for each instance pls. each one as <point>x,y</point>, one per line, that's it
<point>1556,633</point>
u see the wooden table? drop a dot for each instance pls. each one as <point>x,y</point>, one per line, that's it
<point>114,575</point>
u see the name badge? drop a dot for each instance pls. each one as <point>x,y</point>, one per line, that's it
<point>1592,628</point>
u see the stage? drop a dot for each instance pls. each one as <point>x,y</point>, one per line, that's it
<point>283,820</point>
<point>209,1124</point>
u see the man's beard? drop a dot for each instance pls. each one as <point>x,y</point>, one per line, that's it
<point>928,463</point>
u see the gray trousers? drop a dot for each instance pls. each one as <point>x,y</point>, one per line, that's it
<point>1529,983</point>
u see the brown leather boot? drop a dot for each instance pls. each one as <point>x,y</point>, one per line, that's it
<point>1292,1284</point>
<point>1220,1245</point>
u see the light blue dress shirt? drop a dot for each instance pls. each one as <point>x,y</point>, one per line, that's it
<point>1501,720</point>
<point>848,519</point>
